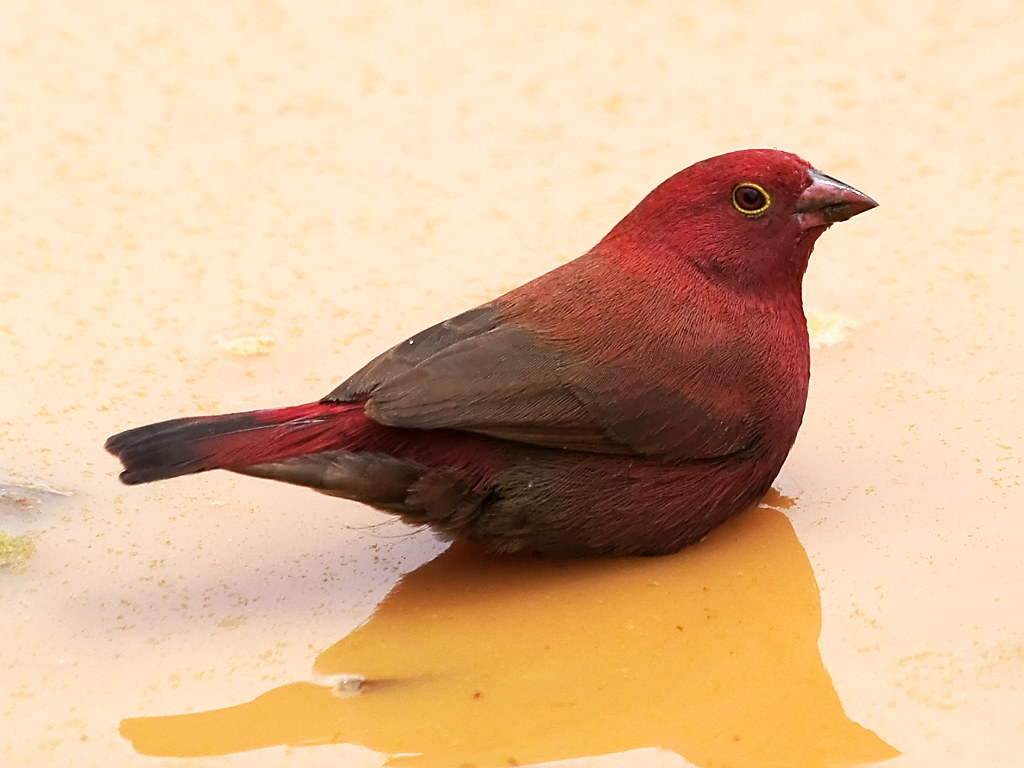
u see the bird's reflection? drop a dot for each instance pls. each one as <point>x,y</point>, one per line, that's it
<point>509,660</point>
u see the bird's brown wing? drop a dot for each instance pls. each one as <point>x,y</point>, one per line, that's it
<point>479,373</point>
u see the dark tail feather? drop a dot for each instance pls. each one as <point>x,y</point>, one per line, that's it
<point>185,446</point>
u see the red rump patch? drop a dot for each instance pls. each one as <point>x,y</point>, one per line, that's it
<point>284,433</point>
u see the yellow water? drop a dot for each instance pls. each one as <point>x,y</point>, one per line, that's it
<point>485,660</point>
<point>233,205</point>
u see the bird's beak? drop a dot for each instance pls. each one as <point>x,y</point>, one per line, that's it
<point>829,200</point>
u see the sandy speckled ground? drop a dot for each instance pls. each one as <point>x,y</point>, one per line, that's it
<point>232,205</point>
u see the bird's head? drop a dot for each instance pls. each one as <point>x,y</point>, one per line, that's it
<point>747,218</point>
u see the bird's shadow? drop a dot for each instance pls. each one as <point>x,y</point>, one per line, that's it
<point>509,660</point>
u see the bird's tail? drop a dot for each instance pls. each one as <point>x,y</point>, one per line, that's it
<point>234,440</point>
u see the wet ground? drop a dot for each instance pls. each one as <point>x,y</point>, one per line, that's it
<point>230,207</point>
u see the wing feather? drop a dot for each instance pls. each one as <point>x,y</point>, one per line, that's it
<point>479,372</point>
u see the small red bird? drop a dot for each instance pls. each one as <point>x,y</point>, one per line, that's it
<point>627,402</point>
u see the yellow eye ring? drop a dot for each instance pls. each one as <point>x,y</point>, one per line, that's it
<point>751,199</point>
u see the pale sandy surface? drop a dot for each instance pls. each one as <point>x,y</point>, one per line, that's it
<point>225,206</point>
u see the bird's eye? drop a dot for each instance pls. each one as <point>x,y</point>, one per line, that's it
<point>750,199</point>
